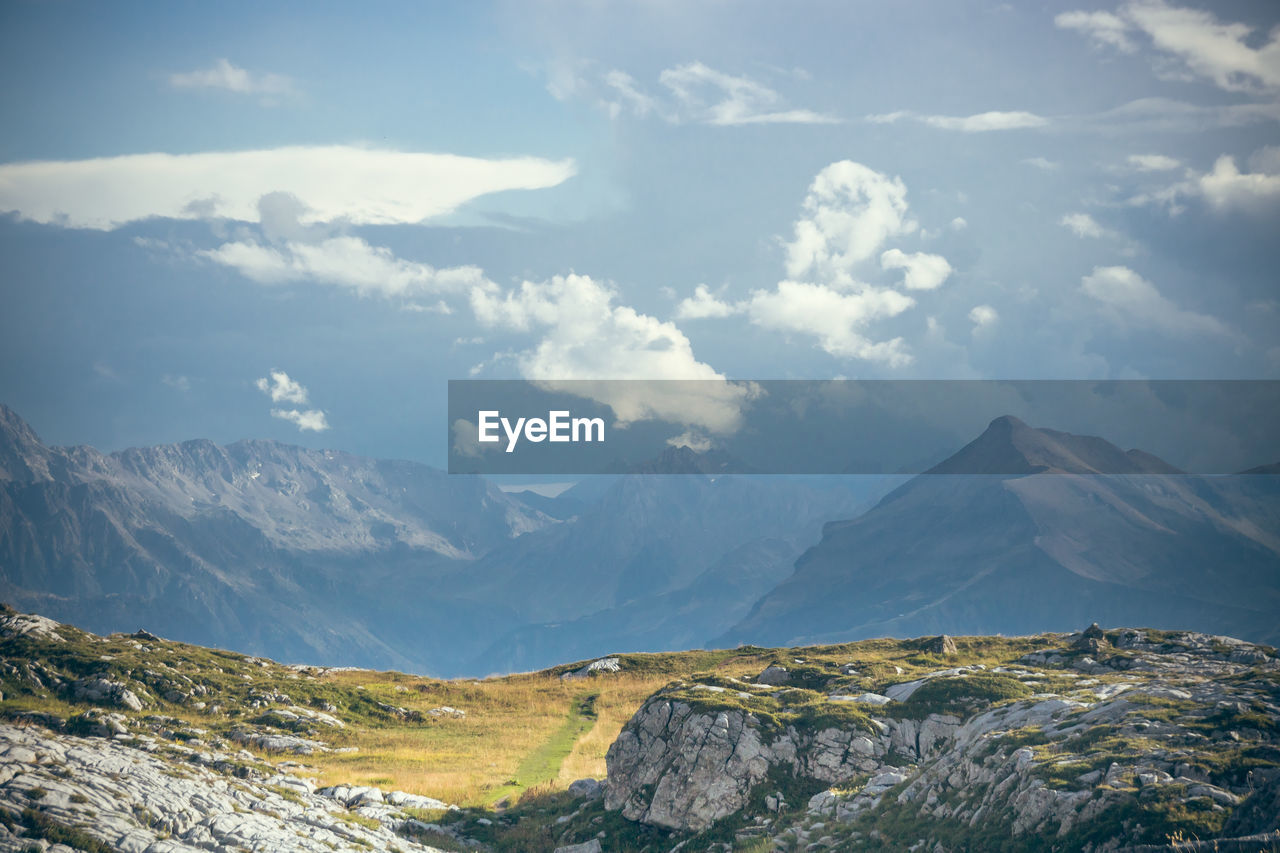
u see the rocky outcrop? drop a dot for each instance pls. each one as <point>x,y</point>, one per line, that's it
<point>1088,750</point>
<point>131,796</point>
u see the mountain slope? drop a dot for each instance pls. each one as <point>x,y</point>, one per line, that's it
<point>1086,532</point>
<point>259,546</point>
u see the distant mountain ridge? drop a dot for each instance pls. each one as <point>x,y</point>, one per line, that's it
<point>1085,532</point>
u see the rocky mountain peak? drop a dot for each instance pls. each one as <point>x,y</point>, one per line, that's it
<point>1009,446</point>
<point>23,457</point>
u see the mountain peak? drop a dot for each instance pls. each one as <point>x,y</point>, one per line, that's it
<point>23,456</point>
<point>1010,447</point>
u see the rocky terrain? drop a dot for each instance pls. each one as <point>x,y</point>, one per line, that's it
<point>1123,739</point>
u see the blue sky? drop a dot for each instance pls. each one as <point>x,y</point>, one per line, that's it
<point>299,221</point>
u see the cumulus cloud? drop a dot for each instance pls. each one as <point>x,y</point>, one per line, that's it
<point>362,186</point>
<point>835,318</point>
<point>923,271</point>
<point>703,304</point>
<point>1083,225</point>
<point>1188,43</point>
<point>1153,162</point>
<point>232,78</point>
<point>585,336</point>
<point>281,388</point>
<point>848,214</point>
<point>983,317</point>
<point>1225,189</point>
<point>979,123</point>
<point>1132,301</point>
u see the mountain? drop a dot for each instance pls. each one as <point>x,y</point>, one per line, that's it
<point>258,546</point>
<point>1084,532</point>
<point>328,557</point>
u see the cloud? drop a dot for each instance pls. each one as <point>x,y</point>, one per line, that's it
<point>345,261</point>
<point>361,186</point>
<point>178,383</point>
<point>1225,189</point>
<point>312,420</point>
<point>714,97</point>
<point>924,271</point>
<point>848,214</point>
<point>692,93</point>
<point>959,223</point>
<point>983,317</point>
<point>703,304</point>
<point>980,123</point>
<point>1103,28</point>
<point>1041,163</point>
<point>1166,115</point>
<point>836,319</point>
<point>231,78</point>
<point>1085,226</point>
<point>1132,301</point>
<point>1153,162</point>
<point>282,389</point>
<point>585,336</point>
<point>1189,43</point>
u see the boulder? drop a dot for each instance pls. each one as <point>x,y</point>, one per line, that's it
<point>774,675</point>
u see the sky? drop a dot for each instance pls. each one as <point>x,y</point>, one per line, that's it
<point>299,221</point>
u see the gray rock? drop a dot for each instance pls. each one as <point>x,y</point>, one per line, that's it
<point>592,846</point>
<point>586,788</point>
<point>102,691</point>
<point>774,676</point>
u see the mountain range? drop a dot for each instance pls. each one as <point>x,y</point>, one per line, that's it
<point>323,556</point>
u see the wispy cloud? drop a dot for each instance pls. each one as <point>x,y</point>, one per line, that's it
<point>1133,302</point>
<point>1188,43</point>
<point>1153,162</point>
<point>225,75</point>
<point>1085,226</point>
<point>691,93</point>
<point>978,123</point>
<point>363,186</point>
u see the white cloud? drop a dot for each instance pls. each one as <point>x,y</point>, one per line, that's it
<point>1227,188</point>
<point>704,304</point>
<point>1192,41</point>
<point>1165,115</point>
<point>1083,225</point>
<point>281,389</point>
<point>847,216</point>
<point>835,318</point>
<point>1153,162</point>
<point>849,212</point>
<point>1041,163</point>
<point>224,75</point>
<point>715,97</point>
<point>1103,28</point>
<point>178,383</point>
<point>362,186</point>
<point>628,96</point>
<point>959,223</point>
<point>695,441</point>
<point>983,317</point>
<point>923,271</point>
<point>312,420</point>
<point>585,336</point>
<point>691,93</point>
<point>979,123</point>
<point>1132,301</point>
<point>346,261</point>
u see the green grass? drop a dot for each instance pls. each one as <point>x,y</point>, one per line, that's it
<point>542,766</point>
